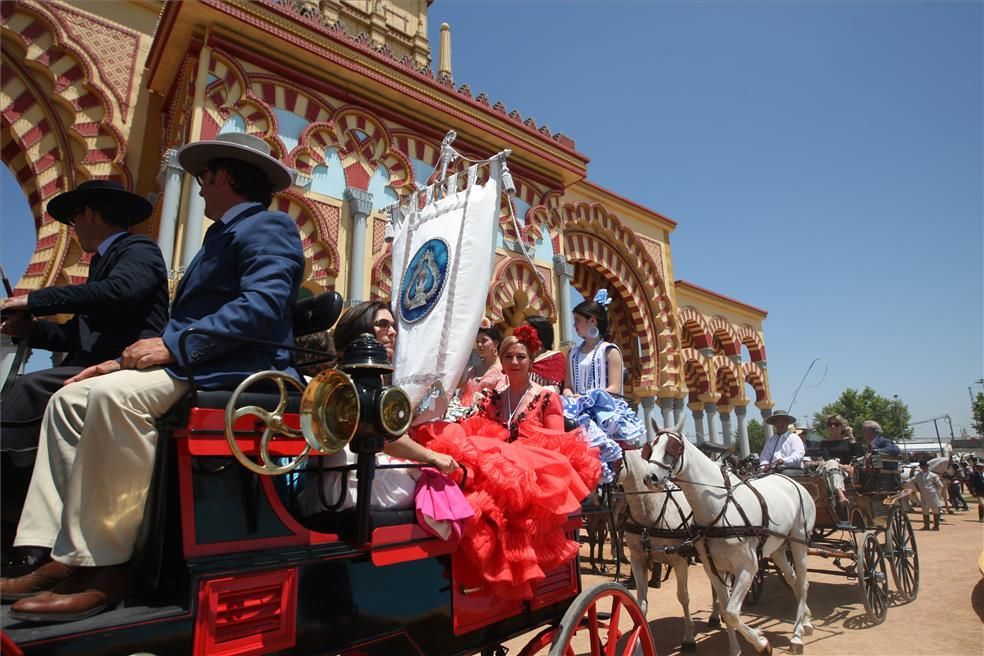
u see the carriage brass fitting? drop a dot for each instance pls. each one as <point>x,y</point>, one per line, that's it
<point>385,411</point>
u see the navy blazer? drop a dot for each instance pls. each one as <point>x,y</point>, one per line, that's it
<point>125,299</point>
<point>244,281</point>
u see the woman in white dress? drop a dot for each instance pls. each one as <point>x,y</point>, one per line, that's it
<point>597,363</point>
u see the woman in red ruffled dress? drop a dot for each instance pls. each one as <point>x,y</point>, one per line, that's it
<point>526,475</point>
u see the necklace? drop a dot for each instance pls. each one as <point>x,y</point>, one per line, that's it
<point>512,411</point>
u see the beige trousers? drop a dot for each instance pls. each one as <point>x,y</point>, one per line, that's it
<point>94,464</point>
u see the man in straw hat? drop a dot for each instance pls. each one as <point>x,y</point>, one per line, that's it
<point>784,450</point>
<point>96,456</point>
<point>124,299</point>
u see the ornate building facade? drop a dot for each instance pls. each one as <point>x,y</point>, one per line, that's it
<point>344,92</point>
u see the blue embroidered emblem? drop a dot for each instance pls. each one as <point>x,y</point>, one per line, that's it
<point>424,280</point>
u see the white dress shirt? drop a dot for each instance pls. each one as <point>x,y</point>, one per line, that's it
<point>788,447</point>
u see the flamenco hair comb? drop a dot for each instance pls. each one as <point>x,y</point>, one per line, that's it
<point>527,336</point>
<point>485,323</point>
<point>601,298</point>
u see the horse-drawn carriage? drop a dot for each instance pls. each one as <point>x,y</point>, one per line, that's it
<point>227,565</point>
<point>865,538</point>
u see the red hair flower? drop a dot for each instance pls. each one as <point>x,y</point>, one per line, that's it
<point>527,336</point>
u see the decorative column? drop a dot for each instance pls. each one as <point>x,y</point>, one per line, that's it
<point>677,410</point>
<point>193,226</point>
<point>648,405</point>
<point>565,273</point>
<point>742,431</point>
<point>726,426</point>
<point>171,174</point>
<point>710,408</point>
<point>766,413</point>
<point>698,412</point>
<point>666,406</point>
<point>360,205</point>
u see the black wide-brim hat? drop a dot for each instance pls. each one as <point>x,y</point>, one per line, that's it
<point>136,208</point>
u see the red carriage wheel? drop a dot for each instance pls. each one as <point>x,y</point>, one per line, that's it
<point>543,640</point>
<point>613,622</point>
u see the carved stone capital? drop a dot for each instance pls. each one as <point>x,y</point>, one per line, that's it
<point>562,268</point>
<point>740,410</point>
<point>360,202</point>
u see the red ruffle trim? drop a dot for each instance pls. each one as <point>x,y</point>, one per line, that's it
<point>522,493</point>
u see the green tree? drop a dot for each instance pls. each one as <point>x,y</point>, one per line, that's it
<point>979,413</point>
<point>756,436</point>
<point>858,407</point>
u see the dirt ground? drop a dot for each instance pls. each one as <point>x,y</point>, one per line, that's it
<point>946,618</point>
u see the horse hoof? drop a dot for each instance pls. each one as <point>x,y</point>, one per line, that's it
<point>688,646</point>
<point>795,646</point>
<point>714,623</point>
<point>807,629</point>
<point>767,650</point>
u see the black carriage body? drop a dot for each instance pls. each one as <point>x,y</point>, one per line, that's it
<point>225,569</point>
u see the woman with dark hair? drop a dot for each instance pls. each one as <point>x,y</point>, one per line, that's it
<point>549,367</point>
<point>392,488</point>
<point>593,388</point>
<point>526,474</point>
<point>487,373</point>
<point>597,364</point>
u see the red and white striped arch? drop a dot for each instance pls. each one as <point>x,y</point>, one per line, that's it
<point>596,238</point>
<point>724,334</point>
<point>56,120</point>
<point>752,340</point>
<point>381,283</point>
<point>694,329</point>
<point>232,94</point>
<point>757,378</point>
<point>697,374</point>
<point>727,378</point>
<point>320,252</point>
<point>586,249</point>
<point>514,277</point>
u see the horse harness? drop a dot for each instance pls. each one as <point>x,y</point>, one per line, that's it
<point>675,449</point>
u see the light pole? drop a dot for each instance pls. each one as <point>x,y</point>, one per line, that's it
<point>898,419</point>
<point>938,440</point>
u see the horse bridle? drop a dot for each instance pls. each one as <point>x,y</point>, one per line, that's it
<point>674,449</point>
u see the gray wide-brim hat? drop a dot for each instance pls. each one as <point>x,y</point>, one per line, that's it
<point>64,206</point>
<point>194,157</point>
<point>771,420</point>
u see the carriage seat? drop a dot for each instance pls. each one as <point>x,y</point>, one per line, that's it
<point>342,522</point>
<point>310,315</point>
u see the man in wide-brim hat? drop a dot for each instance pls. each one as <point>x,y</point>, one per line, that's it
<point>784,450</point>
<point>242,283</point>
<point>123,300</point>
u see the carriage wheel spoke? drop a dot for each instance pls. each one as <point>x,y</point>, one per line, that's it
<point>593,629</point>
<point>613,630</point>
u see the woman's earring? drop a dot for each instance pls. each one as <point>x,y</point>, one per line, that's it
<point>593,332</point>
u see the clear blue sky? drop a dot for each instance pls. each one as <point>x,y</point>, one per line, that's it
<point>824,162</point>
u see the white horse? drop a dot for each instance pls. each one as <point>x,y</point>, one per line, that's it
<point>721,502</point>
<point>666,510</point>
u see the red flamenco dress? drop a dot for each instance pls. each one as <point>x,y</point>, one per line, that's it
<point>522,483</point>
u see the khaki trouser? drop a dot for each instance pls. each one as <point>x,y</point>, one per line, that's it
<point>94,464</point>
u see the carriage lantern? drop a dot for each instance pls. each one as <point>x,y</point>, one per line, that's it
<point>351,405</point>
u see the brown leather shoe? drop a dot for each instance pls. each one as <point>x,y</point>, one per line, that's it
<point>89,591</point>
<point>43,578</point>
